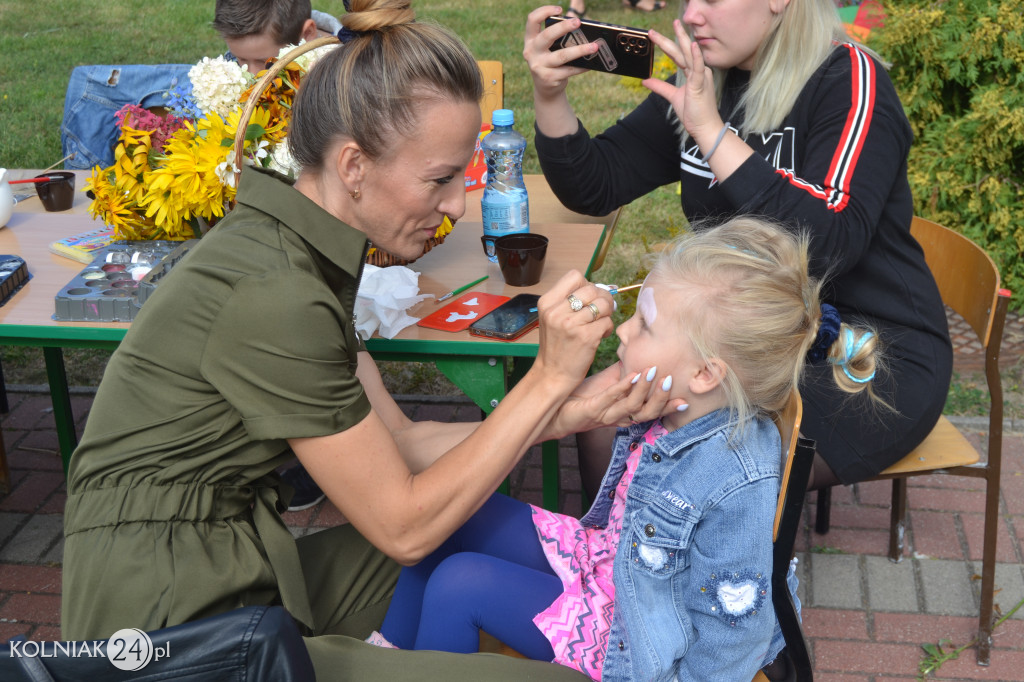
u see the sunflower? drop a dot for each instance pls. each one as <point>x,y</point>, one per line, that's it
<point>113,207</point>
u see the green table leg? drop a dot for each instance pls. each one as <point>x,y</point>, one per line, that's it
<point>483,379</point>
<point>479,377</point>
<point>486,381</point>
<point>552,484</point>
<point>62,414</point>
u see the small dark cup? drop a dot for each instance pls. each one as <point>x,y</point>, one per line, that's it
<point>59,193</point>
<point>521,257</point>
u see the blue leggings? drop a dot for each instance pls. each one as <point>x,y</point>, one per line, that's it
<point>491,574</point>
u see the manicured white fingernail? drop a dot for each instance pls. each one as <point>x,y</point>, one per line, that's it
<point>636,378</point>
<point>683,408</point>
<point>650,374</point>
<point>667,383</point>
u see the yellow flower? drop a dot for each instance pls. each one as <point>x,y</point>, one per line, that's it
<point>187,183</point>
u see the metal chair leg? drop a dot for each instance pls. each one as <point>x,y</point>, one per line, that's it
<point>823,510</point>
<point>988,567</point>
<point>897,519</point>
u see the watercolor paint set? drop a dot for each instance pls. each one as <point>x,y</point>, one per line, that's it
<point>121,276</point>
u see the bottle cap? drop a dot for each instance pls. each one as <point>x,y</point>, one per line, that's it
<point>503,117</point>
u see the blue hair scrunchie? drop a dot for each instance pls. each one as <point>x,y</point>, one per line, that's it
<point>850,348</point>
<point>346,34</point>
<point>828,332</point>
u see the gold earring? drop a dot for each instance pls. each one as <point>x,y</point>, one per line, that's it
<point>355,194</point>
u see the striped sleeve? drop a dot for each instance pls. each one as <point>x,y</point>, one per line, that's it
<point>851,142</point>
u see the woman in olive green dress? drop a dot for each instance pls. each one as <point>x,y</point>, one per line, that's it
<point>248,352</point>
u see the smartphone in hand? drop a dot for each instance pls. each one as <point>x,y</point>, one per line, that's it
<point>622,50</point>
<point>510,320</point>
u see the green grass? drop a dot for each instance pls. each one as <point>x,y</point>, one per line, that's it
<point>41,46</point>
<point>968,393</point>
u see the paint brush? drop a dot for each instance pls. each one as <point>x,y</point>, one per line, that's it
<point>18,182</point>
<point>612,289</point>
<point>454,292</point>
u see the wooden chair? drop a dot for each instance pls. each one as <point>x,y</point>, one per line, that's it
<point>798,453</point>
<point>494,88</point>
<point>969,283</point>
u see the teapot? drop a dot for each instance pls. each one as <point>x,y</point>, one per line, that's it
<point>6,198</point>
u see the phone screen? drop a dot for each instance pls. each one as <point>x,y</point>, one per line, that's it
<point>510,320</point>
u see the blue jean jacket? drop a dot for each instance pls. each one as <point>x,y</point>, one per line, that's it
<point>693,567</point>
<point>94,95</point>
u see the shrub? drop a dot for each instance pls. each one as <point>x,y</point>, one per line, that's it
<point>958,66</point>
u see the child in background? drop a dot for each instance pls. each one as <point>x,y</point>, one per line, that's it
<point>256,30</point>
<point>669,574</point>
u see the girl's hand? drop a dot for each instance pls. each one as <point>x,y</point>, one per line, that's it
<point>548,69</point>
<point>606,400</point>
<point>568,337</point>
<point>694,101</point>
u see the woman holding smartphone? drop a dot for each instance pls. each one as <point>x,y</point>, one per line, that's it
<point>774,112</point>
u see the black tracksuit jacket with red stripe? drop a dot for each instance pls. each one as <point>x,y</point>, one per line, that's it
<point>837,167</point>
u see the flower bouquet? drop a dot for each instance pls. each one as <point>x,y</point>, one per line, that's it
<point>175,175</point>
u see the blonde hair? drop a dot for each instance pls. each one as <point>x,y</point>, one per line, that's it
<point>373,87</point>
<point>801,38</point>
<point>758,312</point>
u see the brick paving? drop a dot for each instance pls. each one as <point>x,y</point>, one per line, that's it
<point>969,356</point>
<point>865,618</point>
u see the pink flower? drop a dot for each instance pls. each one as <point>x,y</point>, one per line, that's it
<point>160,127</point>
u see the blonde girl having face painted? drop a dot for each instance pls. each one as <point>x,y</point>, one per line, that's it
<point>669,573</point>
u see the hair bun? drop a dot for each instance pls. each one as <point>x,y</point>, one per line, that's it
<point>374,15</point>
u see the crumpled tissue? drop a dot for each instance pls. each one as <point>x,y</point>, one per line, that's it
<point>384,296</point>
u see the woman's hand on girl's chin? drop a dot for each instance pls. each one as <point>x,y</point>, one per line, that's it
<point>606,400</point>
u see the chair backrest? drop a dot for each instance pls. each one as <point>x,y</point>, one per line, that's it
<point>494,88</point>
<point>788,423</point>
<point>968,279</point>
<point>798,455</point>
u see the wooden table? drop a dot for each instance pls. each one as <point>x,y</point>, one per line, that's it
<point>482,368</point>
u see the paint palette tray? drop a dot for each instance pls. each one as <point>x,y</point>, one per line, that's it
<point>121,276</point>
<point>13,274</point>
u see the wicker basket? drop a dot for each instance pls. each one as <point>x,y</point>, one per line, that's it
<point>377,256</point>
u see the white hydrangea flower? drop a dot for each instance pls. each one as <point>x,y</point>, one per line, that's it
<point>217,84</point>
<point>308,59</point>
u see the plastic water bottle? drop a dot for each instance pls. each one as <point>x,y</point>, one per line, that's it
<point>504,204</point>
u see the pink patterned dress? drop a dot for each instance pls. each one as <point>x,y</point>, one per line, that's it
<point>578,622</point>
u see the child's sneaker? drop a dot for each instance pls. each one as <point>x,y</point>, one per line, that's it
<point>378,639</point>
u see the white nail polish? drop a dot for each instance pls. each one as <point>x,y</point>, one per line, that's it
<point>636,378</point>
<point>683,408</point>
<point>667,383</point>
<point>651,373</point>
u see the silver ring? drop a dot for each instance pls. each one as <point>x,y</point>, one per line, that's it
<point>575,303</point>
<point>594,310</point>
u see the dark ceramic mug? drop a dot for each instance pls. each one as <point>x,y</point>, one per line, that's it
<point>59,193</point>
<point>521,257</point>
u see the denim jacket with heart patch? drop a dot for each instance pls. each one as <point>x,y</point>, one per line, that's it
<point>693,567</point>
